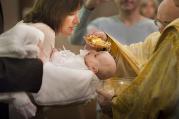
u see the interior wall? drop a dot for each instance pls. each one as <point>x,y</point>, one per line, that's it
<point>10,12</point>
<point>13,10</point>
<point>105,9</point>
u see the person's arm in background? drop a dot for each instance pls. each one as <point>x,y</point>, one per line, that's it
<point>81,29</point>
<point>20,74</point>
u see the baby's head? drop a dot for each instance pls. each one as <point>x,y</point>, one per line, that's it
<point>101,63</point>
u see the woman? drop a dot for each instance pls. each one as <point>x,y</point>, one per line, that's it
<point>53,17</point>
<point>176,2</point>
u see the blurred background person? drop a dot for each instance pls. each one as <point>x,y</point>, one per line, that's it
<point>128,26</point>
<point>149,8</point>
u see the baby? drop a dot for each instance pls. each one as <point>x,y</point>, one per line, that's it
<point>63,78</point>
<point>74,76</point>
<point>70,74</point>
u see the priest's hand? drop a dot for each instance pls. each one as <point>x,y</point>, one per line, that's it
<point>99,34</point>
<point>105,101</point>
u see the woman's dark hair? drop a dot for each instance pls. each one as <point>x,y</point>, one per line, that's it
<point>52,12</point>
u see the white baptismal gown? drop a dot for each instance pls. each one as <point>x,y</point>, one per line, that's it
<point>66,79</point>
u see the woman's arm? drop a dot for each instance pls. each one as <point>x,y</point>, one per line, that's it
<point>81,29</point>
<point>20,74</point>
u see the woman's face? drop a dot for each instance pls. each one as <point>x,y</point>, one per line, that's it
<point>69,23</point>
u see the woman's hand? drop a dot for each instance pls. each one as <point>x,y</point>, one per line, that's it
<point>91,4</point>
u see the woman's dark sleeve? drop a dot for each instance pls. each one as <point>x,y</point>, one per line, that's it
<point>20,74</point>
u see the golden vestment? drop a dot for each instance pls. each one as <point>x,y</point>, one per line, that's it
<point>154,93</point>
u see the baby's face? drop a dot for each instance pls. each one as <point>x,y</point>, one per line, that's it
<point>93,58</point>
<point>101,62</point>
<point>98,59</point>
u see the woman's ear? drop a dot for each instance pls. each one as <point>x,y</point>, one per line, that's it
<point>93,68</point>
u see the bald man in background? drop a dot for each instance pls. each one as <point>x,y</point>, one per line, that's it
<point>154,94</point>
